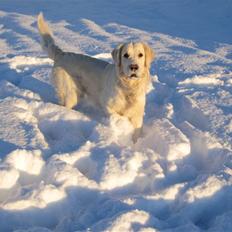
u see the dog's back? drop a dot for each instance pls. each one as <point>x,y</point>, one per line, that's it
<point>86,71</point>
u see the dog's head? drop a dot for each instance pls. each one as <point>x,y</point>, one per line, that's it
<point>133,59</point>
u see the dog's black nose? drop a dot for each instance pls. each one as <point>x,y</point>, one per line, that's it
<point>134,67</point>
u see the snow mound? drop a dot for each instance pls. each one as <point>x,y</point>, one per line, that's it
<point>17,114</point>
<point>124,169</point>
<point>63,174</point>
<point>129,221</point>
<point>39,198</point>
<point>21,63</point>
<point>212,79</point>
<point>8,177</point>
<point>207,188</point>
<point>116,129</point>
<point>164,138</point>
<point>30,162</point>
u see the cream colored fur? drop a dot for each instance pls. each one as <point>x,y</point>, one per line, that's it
<point>117,88</point>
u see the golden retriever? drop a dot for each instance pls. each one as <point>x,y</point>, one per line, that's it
<point>117,88</point>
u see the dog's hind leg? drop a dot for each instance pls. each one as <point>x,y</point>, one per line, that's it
<point>67,90</point>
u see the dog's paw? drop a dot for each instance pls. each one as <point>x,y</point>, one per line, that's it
<point>137,133</point>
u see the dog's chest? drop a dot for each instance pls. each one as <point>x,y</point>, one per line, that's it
<point>121,101</point>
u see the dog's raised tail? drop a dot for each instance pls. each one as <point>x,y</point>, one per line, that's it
<point>48,43</point>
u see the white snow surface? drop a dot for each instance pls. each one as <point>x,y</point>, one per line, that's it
<point>76,170</point>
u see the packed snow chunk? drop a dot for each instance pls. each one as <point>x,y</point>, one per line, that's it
<point>8,89</point>
<point>103,56</point>
<point>164,138</point>
<point>167,194</point>
<point>121,171</point>
<point>65,130</point>
<point>19,127</point>
<point>207,187</point>
<point>22,63</point>
<point>130,221</point>
<point>19,205</point>
<point>49,193</point>
<point>59,173</point>
<point>73,157</point>
<point>211,79</point>
<point>117,129</point>
<point>38,198</point>
<point>8,177</point>
<point>30,162</point>
<point>79,164</point>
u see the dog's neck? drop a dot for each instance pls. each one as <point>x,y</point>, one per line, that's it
<point>131,85</point>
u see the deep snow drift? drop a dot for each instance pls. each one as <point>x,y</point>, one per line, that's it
<point>75,170</point>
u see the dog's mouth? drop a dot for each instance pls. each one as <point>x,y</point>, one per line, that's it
<point>133,75</point>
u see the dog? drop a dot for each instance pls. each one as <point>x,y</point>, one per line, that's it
<point>117,88</point>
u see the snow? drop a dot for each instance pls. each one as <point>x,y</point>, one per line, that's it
<point>38,198</point>
<point>30,162</point>
<point>76,170</point>
<point>9,177</point>
<point>212,79</point>
<point>21,63</point>
<point>164,138</point>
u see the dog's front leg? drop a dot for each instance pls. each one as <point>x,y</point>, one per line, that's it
<point>137,122</point>
<point>136,134</point>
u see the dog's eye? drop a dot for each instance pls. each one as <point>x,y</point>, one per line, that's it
<point>140,54</point>
<point>126,55</point>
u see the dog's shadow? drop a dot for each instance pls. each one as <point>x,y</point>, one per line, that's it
<point>86,107</point>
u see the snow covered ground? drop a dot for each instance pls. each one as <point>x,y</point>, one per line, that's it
<point>75,170</point>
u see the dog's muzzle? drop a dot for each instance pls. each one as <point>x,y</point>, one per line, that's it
<point>134,67</point>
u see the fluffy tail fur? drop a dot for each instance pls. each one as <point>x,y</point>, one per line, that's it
<point>48,43</point>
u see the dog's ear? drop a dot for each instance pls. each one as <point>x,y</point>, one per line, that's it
<point>117,54</point>
<point>149,55</point>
